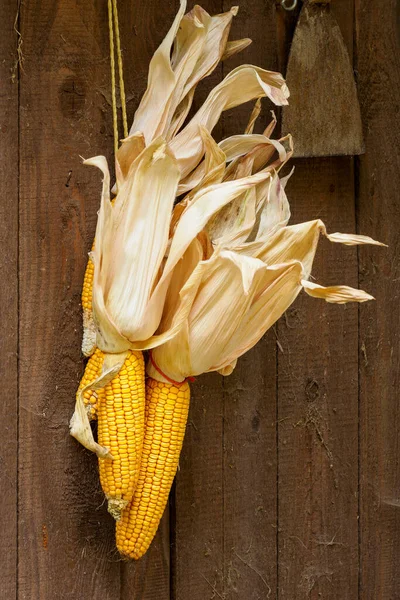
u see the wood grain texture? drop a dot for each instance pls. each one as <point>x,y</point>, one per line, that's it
<point>318,390</point>
<point>318,405</point>
<point>250,475</point>
<point>323,113</point>
<point>198,543</point>
<point>378,68</point>
<point>66,537</point>
<point>9,173</point>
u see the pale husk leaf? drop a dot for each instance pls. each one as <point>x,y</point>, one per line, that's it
<point>150,117</point>
<point>336,294</point>
<point>298,242</point>
<point>253,117</point>
<point>216,31</point>
<point>232,224</point>
<point>273,209</point>
<point>234,47</point>
<point>190,51</point>
<point>269,130</point>
<point>281,286</point>
<point>127,153</point>
<point>188,45</point>
<point>226,317</point>
<point>211,170</point>
<point>236,146</point>
<point>199,211</point>
<point>131,241</point>
<point>241,85</point>
<point>351,239</point>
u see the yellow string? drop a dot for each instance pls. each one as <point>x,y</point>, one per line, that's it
<point>120,70</point>
<point>113,87</point>
<point>113,11</point>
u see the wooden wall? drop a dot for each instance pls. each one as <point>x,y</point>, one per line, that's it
<point>289,483</point>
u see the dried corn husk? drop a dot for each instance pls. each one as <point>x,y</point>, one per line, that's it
<point>199,282</point>
<point>241,290</point>
<point>190,51</point>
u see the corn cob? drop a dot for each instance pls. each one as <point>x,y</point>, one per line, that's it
<point>167,408</point>
<point>89,329</point>
<point>92,371</point>
<point>121,408</point>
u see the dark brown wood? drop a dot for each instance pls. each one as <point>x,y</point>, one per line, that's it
<point>198,551</point>
<point>323,113</point>
<point>378,68</point>
<point>250,475</point>
<point>66,537</point>
<point>318,405</point>
<point>9,75</point>
<point>317,396</point>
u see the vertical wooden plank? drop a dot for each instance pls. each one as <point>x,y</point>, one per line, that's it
<point>143,26</point>
<point>199,523</point>
<point>378,68</point>
<point>9,75</point>
<point>318,405</point>
<point>149,578</point>
<point>250,475</point>
<point>66,538</point>
<point>318,391</point>
<point>249,428</point>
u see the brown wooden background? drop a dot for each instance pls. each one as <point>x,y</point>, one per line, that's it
<point>289,485</point>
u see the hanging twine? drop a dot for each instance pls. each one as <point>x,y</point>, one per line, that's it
<point>115,43</point>
<point>120,69</point>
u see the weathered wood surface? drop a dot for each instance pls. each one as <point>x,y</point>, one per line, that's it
<point>318,405</point>
<point>318,392</point>
<point>324,114</point>
<point>289,477</point>
<point>9,174</point>
<point>379,210</point>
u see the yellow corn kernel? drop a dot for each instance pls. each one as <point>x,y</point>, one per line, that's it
<point>167,407</point>
<point>89,329</point>
<point>92,371</point>
<point>121,414</point>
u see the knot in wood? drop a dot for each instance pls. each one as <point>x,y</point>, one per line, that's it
<point>312,390</point>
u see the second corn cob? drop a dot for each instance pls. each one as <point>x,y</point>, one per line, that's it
<point>167,408</point>
<point>120,414</point>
